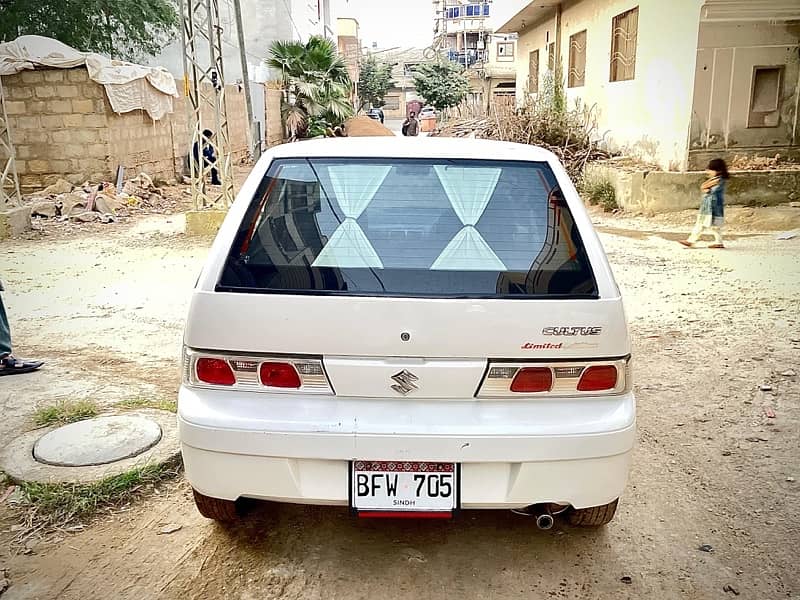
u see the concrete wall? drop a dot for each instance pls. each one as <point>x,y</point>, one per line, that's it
<point>274,124</point>
<point>59,126</point>
<point>731,44</point>
<point>658,191</point>
<point>264,22</point>
<point>62,126</point>
<point>647,117</point>
<point>349,44</point>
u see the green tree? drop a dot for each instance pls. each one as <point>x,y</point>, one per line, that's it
<point>375,80</point>
<point>127,29</point>
<point>316,85</point>
<point>442,83</point>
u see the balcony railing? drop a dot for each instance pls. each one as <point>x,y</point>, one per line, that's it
<point>468,58</point>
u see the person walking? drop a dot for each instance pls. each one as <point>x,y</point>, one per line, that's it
<point>411,125</point>
<point>9,365</point>
<point>712,208</point>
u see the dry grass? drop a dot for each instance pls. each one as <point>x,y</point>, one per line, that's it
<point>64,412</point>
<point>46,507</point>
<point>570,134</point>
<point>161,404</point>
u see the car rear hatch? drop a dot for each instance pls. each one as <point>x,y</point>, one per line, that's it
<point>412,276</point>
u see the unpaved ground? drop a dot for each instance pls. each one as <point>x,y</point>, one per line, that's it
<point>709,327</point>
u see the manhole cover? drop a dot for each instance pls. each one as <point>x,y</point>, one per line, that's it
<point>97,441</point>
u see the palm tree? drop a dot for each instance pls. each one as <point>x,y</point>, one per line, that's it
<point>316,84</point>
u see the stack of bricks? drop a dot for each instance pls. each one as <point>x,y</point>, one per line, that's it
<point>62,127</point>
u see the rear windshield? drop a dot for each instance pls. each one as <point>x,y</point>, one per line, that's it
<point>409,227</point>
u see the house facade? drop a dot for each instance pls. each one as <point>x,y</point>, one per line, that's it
<point>672,83</point>
<point>404,62</point>
<point>349,44</point>
<point>467,36</point>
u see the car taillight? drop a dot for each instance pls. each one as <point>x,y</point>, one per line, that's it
<point>598,379</point>
<point>215,371</point>
<point>532,379</point>
<point>254,373</point>
<point>506,379</point>
<point>279,375</point>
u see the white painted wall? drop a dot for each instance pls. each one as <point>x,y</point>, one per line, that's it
<point>312,17</point>
<point>649,116</point>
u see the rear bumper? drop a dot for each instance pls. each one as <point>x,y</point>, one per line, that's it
<point>512,453</point>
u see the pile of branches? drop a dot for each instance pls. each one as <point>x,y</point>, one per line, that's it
<point>570,134</point>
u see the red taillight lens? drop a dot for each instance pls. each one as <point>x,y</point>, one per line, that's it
<point>598,379</point>
<point>279,375</point>
<point>532,379</point>
<point>215,371</point>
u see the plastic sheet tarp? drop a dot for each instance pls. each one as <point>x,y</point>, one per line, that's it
<point>128,86</point>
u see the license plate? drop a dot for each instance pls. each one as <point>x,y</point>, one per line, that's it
<point>404,486</point>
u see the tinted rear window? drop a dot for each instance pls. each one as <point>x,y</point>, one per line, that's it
<point>409,227</point>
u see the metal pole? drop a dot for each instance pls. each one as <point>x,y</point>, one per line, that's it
<point>8,162</point>
<point>206,85</point>
<point>251,138</point>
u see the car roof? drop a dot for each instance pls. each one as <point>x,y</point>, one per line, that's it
<point>411,147</point>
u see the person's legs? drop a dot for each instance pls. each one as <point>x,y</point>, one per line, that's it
<point>716,231</point>
<point>9,365</point>
<point>5,331</point>
<point>697,231</point>
<point>215,177</point>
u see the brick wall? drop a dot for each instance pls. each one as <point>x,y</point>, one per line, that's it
<point>58,126</point>
<point>62,126</point>
<point>274,123</point>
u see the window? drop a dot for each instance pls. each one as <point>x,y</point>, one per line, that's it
<point>409,227</point>
<point>391,102</point>
<point>624,32</point>
<point>765,97</point>
<point>505,50</point>
<point>551,56</point>
<point>577,60</point>
<point>533,72</point>
<point>470,10</point>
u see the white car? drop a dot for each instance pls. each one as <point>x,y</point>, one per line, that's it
<point>426,112</point>
<point>408,327</point>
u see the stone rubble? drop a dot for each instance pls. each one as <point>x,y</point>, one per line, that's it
<point>99,202</point>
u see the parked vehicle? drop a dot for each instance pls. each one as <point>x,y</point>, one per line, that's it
<point>407,327</point>
<point>376,114</point>
<point>427,112</point>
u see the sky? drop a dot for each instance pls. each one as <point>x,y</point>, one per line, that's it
<point>382,21</point>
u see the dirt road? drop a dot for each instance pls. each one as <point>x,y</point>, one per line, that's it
<point>709,328</point>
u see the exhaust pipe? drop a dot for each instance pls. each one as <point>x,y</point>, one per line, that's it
<point>541,512</point>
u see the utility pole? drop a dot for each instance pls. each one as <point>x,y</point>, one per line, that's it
<point>253,141</point>
<point>205,83</point>
<point>8,163</point>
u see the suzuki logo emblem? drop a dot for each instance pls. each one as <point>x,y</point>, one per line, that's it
<point>405,382</point>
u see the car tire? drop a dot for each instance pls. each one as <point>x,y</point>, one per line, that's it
<point>594,516</point>
<point>215,508</point>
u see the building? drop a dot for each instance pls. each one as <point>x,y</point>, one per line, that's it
<point>673,83</point>
<point>264,21</point>
<point>404,61</point>
<point>464,33</point>
<point>349,43</point>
